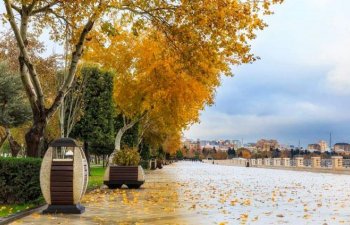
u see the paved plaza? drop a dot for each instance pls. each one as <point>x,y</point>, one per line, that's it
<point>199,193</point>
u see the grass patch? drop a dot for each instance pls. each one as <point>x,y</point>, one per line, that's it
<point>7,210</point>
<point>96,178</point>
<point>95,181</point>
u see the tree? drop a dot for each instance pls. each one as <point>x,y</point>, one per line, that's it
<point>3,136</point>
<point>244,153</point>
<point>72,107</point>
<point>219,28</point>
<point>14,109</point>
<point>219,155</point>
<point>276,153</point>
<point>172,143</point>
<point>145,151</point>
<point>179,155</point>
<point>131,136</point>
<point>47,67</point>
<point>231,152</point>
<point>96,126</point>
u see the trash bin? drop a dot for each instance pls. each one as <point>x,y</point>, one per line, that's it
<point>64,177</point>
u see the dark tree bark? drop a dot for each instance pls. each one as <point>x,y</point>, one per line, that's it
<point>3,139</point>
<point>35,134</point>
<point>14,146</point>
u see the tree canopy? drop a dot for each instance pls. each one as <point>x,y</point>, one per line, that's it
<point>199,40</point>
<point>96,126</point>
<point>14,109</point>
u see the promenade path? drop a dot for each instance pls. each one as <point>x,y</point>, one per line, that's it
<point>199,193</point>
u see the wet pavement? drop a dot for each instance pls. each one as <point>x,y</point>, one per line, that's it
<point>199,193</point>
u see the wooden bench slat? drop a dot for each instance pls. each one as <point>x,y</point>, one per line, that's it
<point>69,168</point>
<point>61,184</point>
<point>62,163</point>
<point>61,189</point>
<point>61,178</point>
<point>62,173</point>
<point>62,194</point>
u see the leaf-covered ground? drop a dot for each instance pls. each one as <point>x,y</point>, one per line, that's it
<point>6,210</point>
<point>198,193</point>
<point>95,180</point>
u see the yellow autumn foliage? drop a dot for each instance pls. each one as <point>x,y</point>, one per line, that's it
<point>171,69</point>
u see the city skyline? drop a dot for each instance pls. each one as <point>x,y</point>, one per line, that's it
<point>241,142</point>
<point>299,88</point>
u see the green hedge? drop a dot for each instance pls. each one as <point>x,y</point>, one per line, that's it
<point>19,180</point>
<point>144,164</point>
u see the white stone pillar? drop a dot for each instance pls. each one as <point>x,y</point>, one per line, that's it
<point>286,162</point>
<point>337,162</point>
<point>259,162</point>
<point>267,162</point>
<point>276,161</point>
<point>316,162</point>
<point>299,161</point>
<point>253,162</point>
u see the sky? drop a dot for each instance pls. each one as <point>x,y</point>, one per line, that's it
<point>299,90</point>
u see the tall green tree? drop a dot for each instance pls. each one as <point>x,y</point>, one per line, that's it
<point>14,108</point>
<point>96,126</point>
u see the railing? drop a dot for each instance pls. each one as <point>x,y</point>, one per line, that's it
<point>293,162</point>
<point>336,162</point>
<point>307,162</point>
<point>346,163</point>
<point>326,163</point>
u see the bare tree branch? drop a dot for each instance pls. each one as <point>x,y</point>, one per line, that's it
<point>45,8</point>
<point>36,91</point>
<point>18,9</point>
<point>73,66</point>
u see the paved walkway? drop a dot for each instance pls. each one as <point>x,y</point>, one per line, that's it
<point>199,193</point>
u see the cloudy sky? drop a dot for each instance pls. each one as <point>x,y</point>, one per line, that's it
<point>299,90</point>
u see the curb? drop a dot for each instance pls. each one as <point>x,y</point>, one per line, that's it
<point>19,215</point>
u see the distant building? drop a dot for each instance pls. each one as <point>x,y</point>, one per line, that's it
<point>186,143</point>
<point>285,147</point>
<point>323,146</point>
<point>237,144</point>
<point>191,145</point>
<point>267,145</point>
<point>222,145</point>
<point>342,147</point>
<point>314,147</point>
<point>203,143</point>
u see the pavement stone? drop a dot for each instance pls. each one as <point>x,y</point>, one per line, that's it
<point>199,193</point>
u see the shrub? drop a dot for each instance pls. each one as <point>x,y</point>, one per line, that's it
<point>145,164</point>
<point>127,157</point>
<point>19,180</point>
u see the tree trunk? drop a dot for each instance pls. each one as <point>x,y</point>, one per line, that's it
<point>3,139</point>
<point>62,118</point>
<point>14,146</point>
<point>118,139</point>
<point>117,142</point>
<point>33,138</point>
